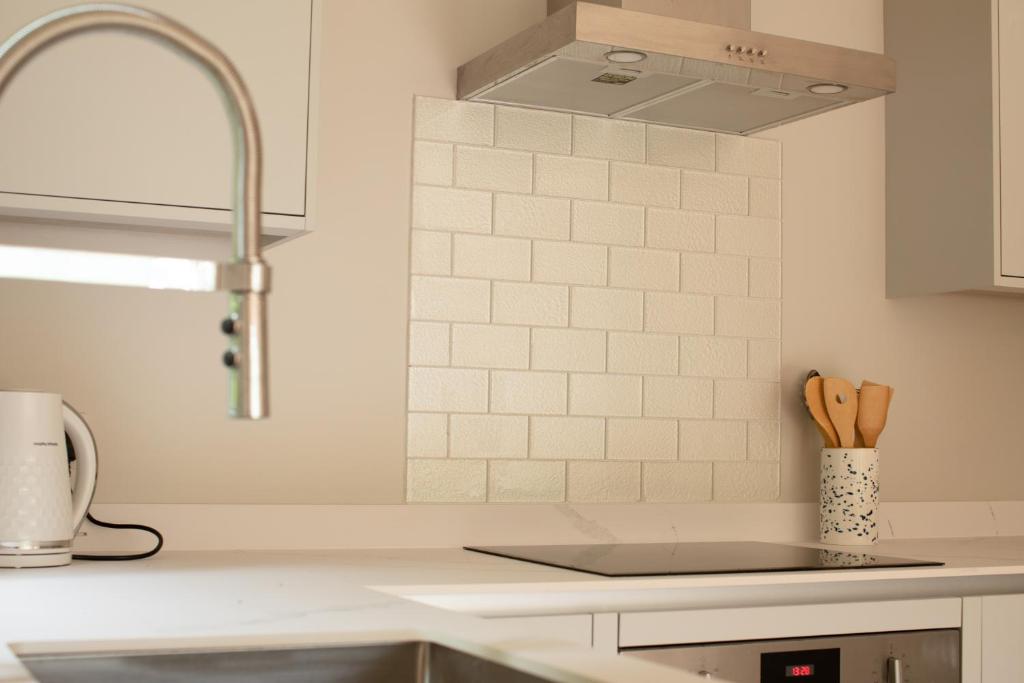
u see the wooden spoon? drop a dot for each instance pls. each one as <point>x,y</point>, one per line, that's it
<point>841,403</point>
<point>872,411</point>
<point>814,399</point>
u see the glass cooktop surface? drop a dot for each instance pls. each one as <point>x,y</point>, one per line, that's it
<point>663,559</point>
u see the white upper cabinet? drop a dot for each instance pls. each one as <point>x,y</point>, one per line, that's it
<point>1011,137</point>
<point>113,128</point>
<point>955,147</point>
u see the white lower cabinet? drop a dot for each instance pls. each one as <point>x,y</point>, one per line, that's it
<point>994,639</point>
<point>992,627</point>
<point>644,629</point>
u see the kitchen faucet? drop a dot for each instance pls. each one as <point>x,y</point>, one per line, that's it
<point>246,276</point>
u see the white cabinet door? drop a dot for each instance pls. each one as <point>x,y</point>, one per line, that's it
<point>116,117</point>
<point>1011,137</point>
<point>1002,638</point>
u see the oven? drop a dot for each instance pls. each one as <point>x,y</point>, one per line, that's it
<point>931,656</point>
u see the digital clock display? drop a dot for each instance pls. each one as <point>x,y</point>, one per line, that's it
<point>813,666</point>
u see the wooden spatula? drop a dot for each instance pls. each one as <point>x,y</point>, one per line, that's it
<point>841,403</point>
<point>814,399</point>
<point>869,383</point>
<point>872,411</point>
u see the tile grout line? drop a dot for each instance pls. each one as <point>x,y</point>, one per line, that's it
<point>448,435</point>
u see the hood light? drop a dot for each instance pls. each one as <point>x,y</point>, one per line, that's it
<point>625,56</point>
<point>826,88</point>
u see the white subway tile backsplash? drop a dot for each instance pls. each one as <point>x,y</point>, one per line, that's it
<point>749,236</point>
<point>607,309</point>
<point>512,481</point>
<point>681,147</point>
<point>533,130</point>
<point>642,353</point>
<point>567,438</point>
<point>450,299</point>
<point>485,168</point>
<point>649,269</point>
<point>490,346</point>
<point>642,184</point>
<point>429,343</point>
<point>605,395</point>
<point>763,359</point>
<point>455,121</point>
<point>749,156</point>
<point>528,393</point>
<point>595,310</point>
<point>677,482</point>
<point>712,357</point>
<point>570,263</point>
<point>680,230</point>
<point>488,436</point>
<point>678,397</point>
<point>714,274</point>
<point>607,138</point>
<point>712,440</point>
<point>432,163</point>
<point>642,439</point>
<point>714,192</point>
<point>427,435</point>
<point>431,253</point>
<point>452,390</point>
<point>765,278</point>
<point>568,349</point>
<point>603,482</point>
<point>530,304</point>
<point>571,177</point>
<point>746,481</point>
<point>607,223</point>
<point>737,399</point>
<point>495,258</point>
<point>763,439</point>
<point>680,313</point>
<point>766,198</point>
<point>529,216</point>
<point>741,317</point>
<point>446,481</point>
<point>445,208</point>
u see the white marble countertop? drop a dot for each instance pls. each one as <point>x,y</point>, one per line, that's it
<point>247,598</point>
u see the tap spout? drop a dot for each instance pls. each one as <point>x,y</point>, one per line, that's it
<point>246,276</point>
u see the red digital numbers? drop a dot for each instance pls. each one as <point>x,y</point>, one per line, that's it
<point>799,671</point>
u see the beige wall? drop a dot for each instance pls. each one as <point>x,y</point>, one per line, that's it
<point>144,365</point>
<point>954,359</point>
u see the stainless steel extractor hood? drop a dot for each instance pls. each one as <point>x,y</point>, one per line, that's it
<point>608,61</point>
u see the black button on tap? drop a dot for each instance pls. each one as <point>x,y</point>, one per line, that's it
<point>230,359</point>
<point>228,325</point>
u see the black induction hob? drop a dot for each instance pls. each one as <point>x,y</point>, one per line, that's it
<point>665,559</point>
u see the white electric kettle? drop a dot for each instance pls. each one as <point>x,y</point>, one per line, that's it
<point>39,514</point>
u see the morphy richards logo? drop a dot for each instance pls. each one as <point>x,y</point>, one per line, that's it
<point>45,443</point>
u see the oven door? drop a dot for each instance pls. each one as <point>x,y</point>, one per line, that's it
<point>900,657</point>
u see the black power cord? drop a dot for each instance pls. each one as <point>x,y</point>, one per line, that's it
<point>121,558</point>
<point>114,525</point>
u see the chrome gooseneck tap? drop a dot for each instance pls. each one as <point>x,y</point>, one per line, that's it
<point>246,277</point>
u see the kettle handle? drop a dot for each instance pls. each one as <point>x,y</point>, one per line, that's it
<point>86,464</point>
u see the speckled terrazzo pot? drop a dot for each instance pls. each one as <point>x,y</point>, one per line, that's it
<point>849,496</point>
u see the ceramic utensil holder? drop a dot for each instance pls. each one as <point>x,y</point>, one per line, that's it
<point>849,496</point>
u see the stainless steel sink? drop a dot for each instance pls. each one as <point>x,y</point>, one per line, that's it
<point>409,662</point>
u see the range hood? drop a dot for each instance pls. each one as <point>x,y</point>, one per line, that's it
<point>604,60</point>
